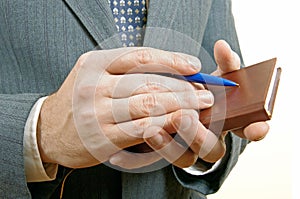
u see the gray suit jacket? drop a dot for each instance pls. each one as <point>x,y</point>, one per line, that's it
<point>40,41</point>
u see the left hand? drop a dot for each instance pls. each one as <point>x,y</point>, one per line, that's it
<point>229,61</point>
<point>202,142</point>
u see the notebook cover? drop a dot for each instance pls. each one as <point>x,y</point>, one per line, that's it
<point>252,101</point>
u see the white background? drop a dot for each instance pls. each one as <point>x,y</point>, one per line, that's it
<point>268,169</point>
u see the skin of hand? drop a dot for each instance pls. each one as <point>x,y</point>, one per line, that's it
<point>110,98</point>
<point>202,142</point>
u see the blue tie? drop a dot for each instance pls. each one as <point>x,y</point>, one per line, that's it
<point>130,17</point>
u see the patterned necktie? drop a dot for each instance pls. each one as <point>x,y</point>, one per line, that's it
<point>130,17</point>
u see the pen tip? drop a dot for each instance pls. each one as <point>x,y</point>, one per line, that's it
<point>237,85</point>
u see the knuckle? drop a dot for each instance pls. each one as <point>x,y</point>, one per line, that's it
<point>176,60</point>
<point>105,89</point>
<point>133,106</point>
<point>143,106</point>
<point>149,103</point>
<point>85,92</point>
<point>151,85</point>
<point>143,56</point>
<point>139,127</point>
<point>82,60</point>
<point>105,111</point>
<point>143,124</point>
<point>193,114</point>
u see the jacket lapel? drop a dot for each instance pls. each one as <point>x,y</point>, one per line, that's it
<point>97,18</point>
<point>177,25</point>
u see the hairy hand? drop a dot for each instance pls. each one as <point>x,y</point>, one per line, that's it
<point>108,101</point>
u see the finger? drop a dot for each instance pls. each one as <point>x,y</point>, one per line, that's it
<point>128,160</point>
<point>156,104</point>
<point>121,86</point>
<point>227,60</point>
<point>154,60</point>
<point>202,141</point>
<point>254,132</point>
<point>161,142</point>
<point>127,134</point>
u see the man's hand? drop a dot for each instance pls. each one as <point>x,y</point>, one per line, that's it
<point>229,61</point>
<point>107,102</point>
<point>202,142</point>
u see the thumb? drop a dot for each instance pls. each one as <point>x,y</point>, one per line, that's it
<point>227,59</point>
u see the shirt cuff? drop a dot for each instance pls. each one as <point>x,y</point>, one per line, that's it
<point>198,171</point>
<point>35,169</point>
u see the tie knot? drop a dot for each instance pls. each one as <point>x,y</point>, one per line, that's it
<point>130,17</point>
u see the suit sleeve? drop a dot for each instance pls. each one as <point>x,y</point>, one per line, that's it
<point>220,26</point>
<point>14,110</point>
<point>24,78</point>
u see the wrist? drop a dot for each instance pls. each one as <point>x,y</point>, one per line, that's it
<point>35,170</point>
<point>44,139</point>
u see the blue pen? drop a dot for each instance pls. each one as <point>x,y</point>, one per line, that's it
<point>209,79</point>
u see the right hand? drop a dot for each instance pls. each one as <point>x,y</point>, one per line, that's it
<point>107,101</point>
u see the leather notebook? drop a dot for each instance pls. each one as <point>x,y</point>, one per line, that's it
<point>252,101</point>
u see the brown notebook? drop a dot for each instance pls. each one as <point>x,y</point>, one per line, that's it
<point>252,101</point>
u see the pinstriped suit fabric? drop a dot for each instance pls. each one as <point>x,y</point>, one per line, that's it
<point>41,40</point>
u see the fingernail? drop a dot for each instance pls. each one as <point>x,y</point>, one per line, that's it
<point>256,131</point>
<point>264,127</point>
<point>195,62</point>
<point>115,159</point>
<point>156,140</point>
<point>259,139</point>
